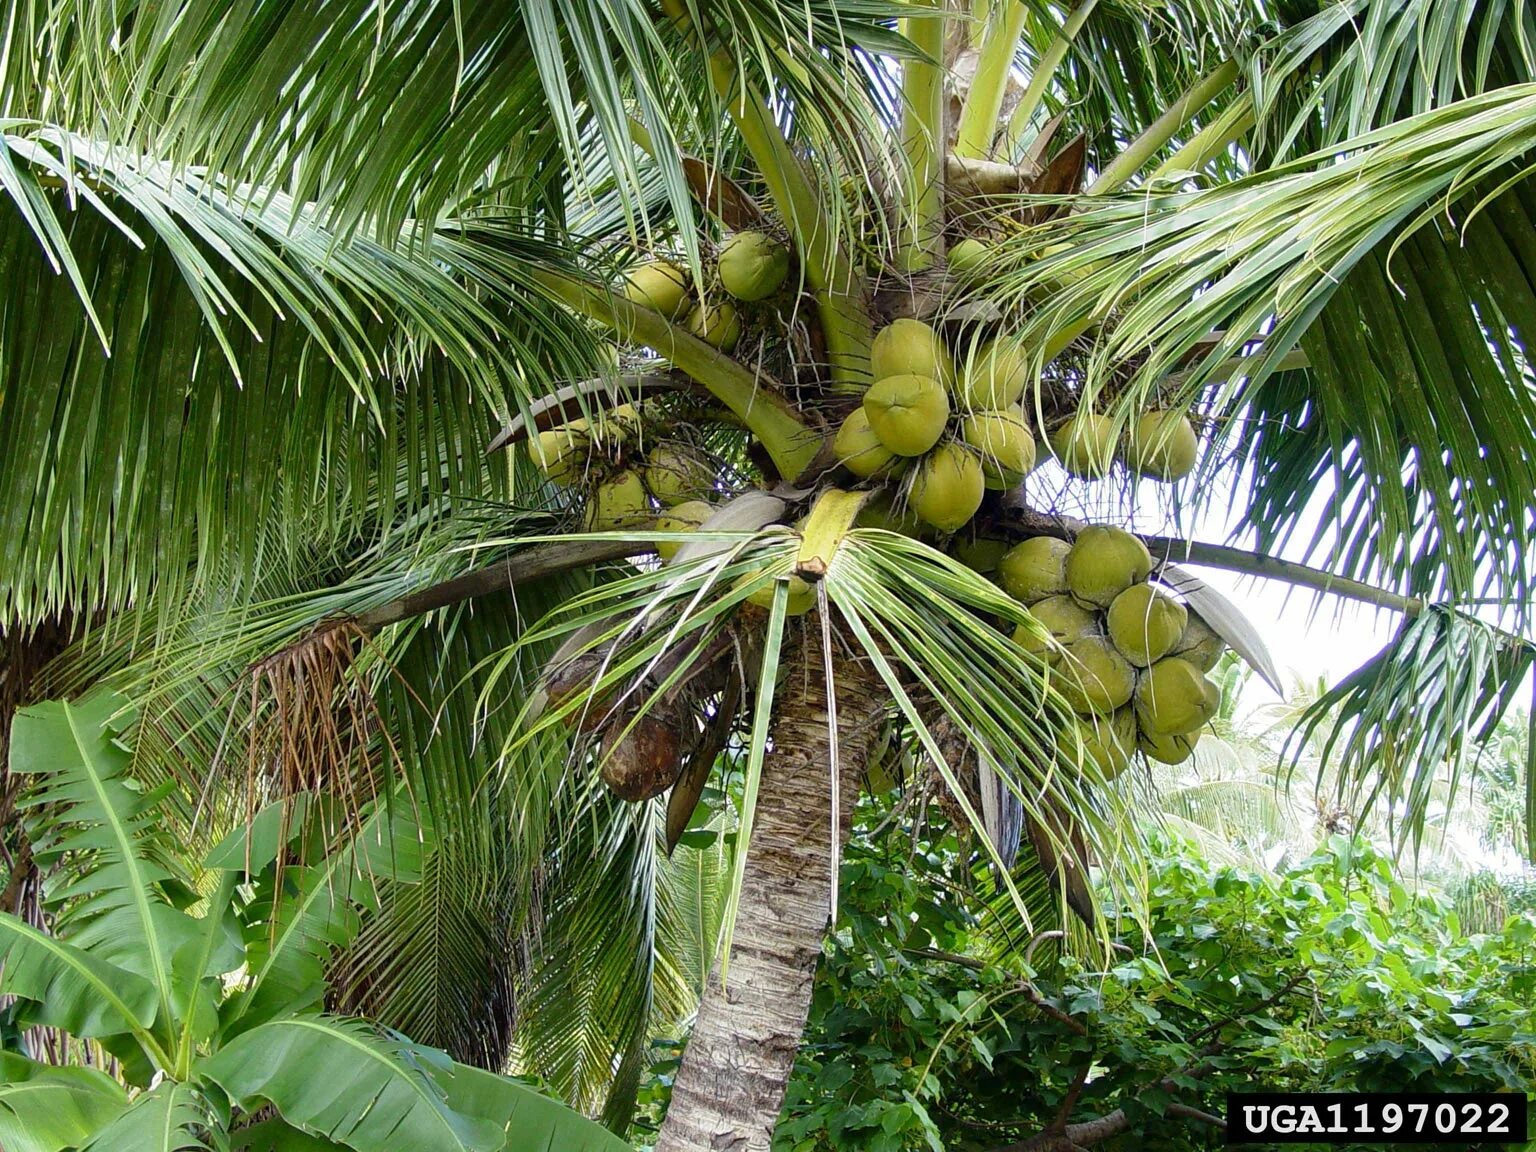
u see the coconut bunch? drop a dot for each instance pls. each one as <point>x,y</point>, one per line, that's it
<point>750,267</point>
<point>630,479</point>
<point>1133,659</point>
<point>960,430</point>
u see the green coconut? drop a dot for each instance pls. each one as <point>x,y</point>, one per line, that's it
<point>1095,677</point>
<point>1174,698</point>
<point>802,595</point>
<point>659,285</point>
<point>1199,644</point>
<point>858,448</point>
<point>881,512</point>
<point>1035,569</point>
<point>1103,563</point>
<point>1145,624</point>
<point>617,425</point>
<point>753,265</point>
<point>1064,619</point>
<point>1161,445</point>
<point>621,502</point>
<point>980,553</point>
<point>1085,444</point>
<point>715,324</point>
<point>995,377</point>
<point>675,473</point>
<point>947,487</point>
<point>684,517</point>
<point>1108,741</point>
<point>908,413</point>
<point>966,257</point>
<point>1167,749</point>
<point>1004,442</point>
<point>561,453</point>
<point>910,348</point>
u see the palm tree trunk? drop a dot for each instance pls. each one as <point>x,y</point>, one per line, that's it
<point>731,1085</point>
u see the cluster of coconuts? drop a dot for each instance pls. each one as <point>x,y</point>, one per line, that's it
<point>630,483</point>
<point>750,267</point>
<point>964,429</point>
<point>1133,658</point>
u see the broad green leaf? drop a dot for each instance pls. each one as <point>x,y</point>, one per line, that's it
<point>528,1119</point>
<point>275,1136</point>
<point>47,1109</point>
<point>86,811</point>
<point>168,1119</point>
<point>371,1096</point>
<point>70,988</point>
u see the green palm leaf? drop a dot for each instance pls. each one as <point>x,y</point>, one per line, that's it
<point>48,1109</point>
<point>374,1096</point>
<point>527,1119</point>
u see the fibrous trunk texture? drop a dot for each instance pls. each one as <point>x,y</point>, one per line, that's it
<point>730,1088</point>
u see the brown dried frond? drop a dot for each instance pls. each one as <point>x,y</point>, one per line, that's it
<point>312,723</point>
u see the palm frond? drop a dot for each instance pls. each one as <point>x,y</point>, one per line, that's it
<point>1299,254</point>
<point>1414,712</point>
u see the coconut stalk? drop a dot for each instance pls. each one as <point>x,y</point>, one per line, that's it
<point>1215,138</point>
<point>984,105</point>
<point>1045,70</point>
<point>790,442</point>
<point>840,291</point>
<point>922,85</point>
<point>1136,154</point>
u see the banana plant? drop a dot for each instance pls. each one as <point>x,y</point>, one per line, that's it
<point>207,987</point>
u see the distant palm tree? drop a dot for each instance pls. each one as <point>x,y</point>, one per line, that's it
<point>333,248</point>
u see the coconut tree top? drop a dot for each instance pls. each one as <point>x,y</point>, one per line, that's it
<point>357,359</point>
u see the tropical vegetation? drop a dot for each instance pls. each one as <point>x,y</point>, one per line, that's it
<point>515,416</point>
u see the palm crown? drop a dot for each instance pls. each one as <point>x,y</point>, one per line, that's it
<point>831,270</point>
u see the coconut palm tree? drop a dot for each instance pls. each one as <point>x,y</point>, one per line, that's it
<point>349,349</point>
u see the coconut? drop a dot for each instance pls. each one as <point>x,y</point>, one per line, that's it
<point>641,762</point>
<point>618,503</point>
<point>908,413</point>
<point>675,472</point>
<point>980,553</point>
<point>659,285</point>
<point>1103,563</point>
<point>1174,697</point>
<point>617,425</point>
<point>1168,749</point>
<point>858,448</point>
<point>1199,645</point>
<point>880,512</point>
<point>1035,569</point>
<point>967,256</point>
<point>995,377</point>
<point>561,453</point>
<point>1085,444</point>
<point>753,265</point>
<point>684,517</point>
<point>1108,741</point>
<point>1161,445</point>
<point>947,487</point>
<point>1064,618</point>
<point>715,324</point>
<point>1145,624</point>
<point>910,348</point>
<point>802,595</point>
<point>1006,445</point>
<point>1095,677</point>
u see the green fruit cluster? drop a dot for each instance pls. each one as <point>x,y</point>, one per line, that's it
<point>963,426</point>
<point>1132,658</point>
<point>1160,444</point>
<point>626,476</point>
